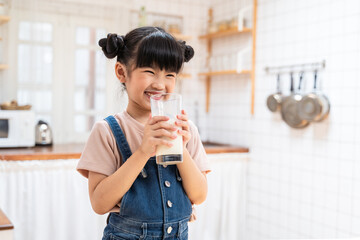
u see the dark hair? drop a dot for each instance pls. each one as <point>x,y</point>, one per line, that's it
<point>147,47</point>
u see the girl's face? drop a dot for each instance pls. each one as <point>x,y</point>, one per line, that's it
<point>144,82</point>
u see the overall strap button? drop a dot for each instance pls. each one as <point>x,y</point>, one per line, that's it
<point>169,203</point>
<point>167,184</point>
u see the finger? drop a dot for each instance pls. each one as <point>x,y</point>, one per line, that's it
<point>183,124</point>
<point>165,133</point>
<point>159,141</point>
<point>185,134</point>
<point>182,117</point>
<point>157,119</point>
<point>164,125</point>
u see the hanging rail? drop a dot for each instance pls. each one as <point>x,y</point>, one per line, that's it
<point>296,67</point>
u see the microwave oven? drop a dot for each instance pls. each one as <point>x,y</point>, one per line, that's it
<point>17,128</point>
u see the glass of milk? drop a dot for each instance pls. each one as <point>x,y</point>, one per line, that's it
<point>168,104</point>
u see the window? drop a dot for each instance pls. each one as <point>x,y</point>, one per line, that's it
<point>90,79</point>
<point>62,72</point>
<point>35,67</point>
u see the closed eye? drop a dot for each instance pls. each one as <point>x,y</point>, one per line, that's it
<point>148,71</point>
<point>171,75</point>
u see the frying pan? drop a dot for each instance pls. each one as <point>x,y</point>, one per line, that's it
<point>289,108</point>
<point>273,101</point>
<point>314,106</point>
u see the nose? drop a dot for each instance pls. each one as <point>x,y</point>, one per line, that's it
<point>158,83</point>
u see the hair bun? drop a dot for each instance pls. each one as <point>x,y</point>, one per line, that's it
<point>188,53</point>
<point>112,45</point>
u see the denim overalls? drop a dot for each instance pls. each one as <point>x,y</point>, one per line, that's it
<point>155,207</point>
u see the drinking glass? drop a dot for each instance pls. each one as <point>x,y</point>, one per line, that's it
<point>168,104</point>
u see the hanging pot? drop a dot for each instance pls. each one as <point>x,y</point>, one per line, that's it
<point>273,101</point>
<point>289,108</point>
<point>314,106</point>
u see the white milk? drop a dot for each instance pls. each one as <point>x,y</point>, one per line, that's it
<point>170,155</point>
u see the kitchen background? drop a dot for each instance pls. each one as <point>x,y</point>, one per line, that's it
<point>300,183</point>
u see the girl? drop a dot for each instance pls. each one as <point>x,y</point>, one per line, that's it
<point>145,200</point>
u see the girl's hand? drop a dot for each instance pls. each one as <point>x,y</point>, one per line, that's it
<point>184,124</point>
<point>155,129</point>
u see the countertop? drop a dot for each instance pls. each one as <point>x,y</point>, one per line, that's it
<point>5,223</point>
<point>73,151</point>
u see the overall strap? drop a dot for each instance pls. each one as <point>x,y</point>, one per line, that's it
<point>120,138</point>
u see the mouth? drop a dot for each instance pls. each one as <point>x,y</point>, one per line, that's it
<point>152,93</point>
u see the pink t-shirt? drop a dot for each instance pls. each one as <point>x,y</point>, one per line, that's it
<point>101,154</point>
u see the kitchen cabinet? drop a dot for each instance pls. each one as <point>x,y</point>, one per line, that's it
<point>223,214</point>
<point>45,184</point>
<point>224,34</point>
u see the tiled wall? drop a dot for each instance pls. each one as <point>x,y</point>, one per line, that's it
<point>301,183</point>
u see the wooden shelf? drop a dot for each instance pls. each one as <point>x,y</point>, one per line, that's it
<point>229,32</point>
<point>4,66</point>
<point>185,75</point>
<point>181,37</point>
<point>227,72</point>
<point>4,19</point>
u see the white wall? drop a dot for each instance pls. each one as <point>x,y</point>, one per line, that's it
<point>301,183</point>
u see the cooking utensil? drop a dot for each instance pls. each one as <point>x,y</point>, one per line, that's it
<point>289,109</point>
<point>273,101</point>
<point>314,106</point>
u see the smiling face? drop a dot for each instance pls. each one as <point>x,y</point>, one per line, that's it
<point>148,62</point>
<point>142,83</point>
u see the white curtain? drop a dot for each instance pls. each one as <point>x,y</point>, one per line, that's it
<point>222,215</point>
<point>49,200</point>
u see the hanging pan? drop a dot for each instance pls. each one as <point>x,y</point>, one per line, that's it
<point>289,108</point>
<point>314,106</point>
<point>273,101</point>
